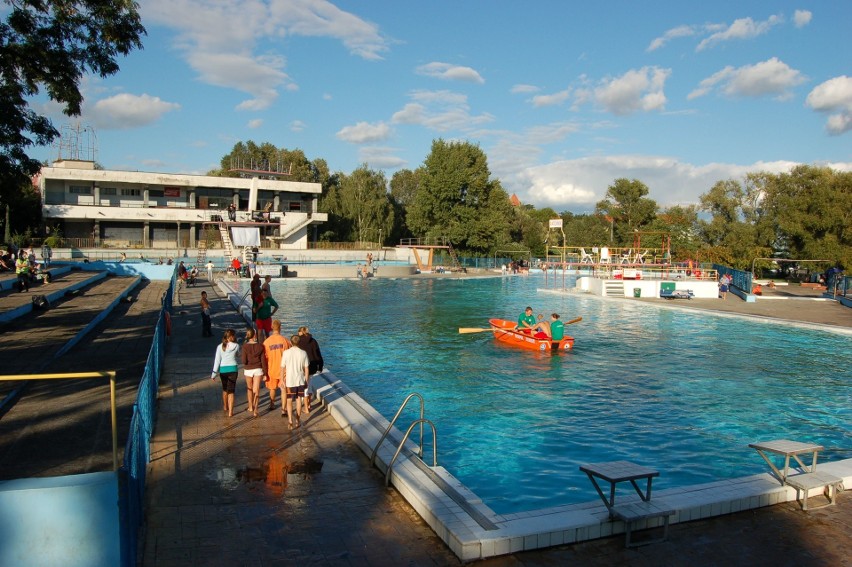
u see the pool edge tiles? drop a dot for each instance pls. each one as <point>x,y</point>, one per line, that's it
<point>473,531</point>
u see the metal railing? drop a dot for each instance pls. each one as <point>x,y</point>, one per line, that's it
<point>83,376</point>
<point>137,452</point>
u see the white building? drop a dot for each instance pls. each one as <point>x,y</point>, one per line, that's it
<point>129,209</point>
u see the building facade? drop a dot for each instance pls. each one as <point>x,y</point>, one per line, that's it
<point>132,209</point>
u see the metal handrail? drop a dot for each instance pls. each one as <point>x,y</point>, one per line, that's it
<point>392,421</point>
<point>421,421</point>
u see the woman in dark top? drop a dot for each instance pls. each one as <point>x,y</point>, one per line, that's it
<point>253,357</point>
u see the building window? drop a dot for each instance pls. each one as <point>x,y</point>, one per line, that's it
<point>152,193</point>
<point>107,191</point>
<point>295,206</point>
<point>80,190</point>
<point>131,192</point>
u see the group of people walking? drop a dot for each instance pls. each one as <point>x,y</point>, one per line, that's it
<point>266,355</point>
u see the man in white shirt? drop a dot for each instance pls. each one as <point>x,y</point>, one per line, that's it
<point>294,371</point>
<point>210,267</point>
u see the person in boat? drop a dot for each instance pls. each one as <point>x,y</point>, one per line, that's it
<point>553,329</point>
<point>526,321</point>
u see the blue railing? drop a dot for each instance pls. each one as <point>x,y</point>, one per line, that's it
<point>741,280</point>
<point>137,451</point>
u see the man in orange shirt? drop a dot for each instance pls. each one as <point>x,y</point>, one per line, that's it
<point>275,346</point>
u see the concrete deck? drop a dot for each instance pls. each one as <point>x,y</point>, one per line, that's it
<point>309,495</point>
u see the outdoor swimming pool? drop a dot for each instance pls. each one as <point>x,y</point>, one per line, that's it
<point>669,389</point>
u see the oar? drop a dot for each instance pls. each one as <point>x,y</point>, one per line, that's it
<point>466,330</point>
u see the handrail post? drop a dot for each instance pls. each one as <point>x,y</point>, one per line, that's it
<point>402,444</point>
<point>392,421</point>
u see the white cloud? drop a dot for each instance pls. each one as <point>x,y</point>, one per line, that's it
<point>551,99</point>
<point>801,18</point>
<point>219,39</point>
<point>364,132</point>
<point>124,111</point>
<point>743,28</point>
<point>636,90</point>
<point>297,126</point>
<point>679,31</point>
<point>449,72</point>
<point>524,89</point>
<point>834,96</point>
<point>380,157</point>
<point>578,184</point>
<point>256,123</point>
<point>770,77</point>
<point>441,111</point>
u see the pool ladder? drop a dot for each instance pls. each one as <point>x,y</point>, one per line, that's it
<point>420,422</point>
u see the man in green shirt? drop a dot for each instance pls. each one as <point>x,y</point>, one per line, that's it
<point>263,318</point>
<point>526,321</point>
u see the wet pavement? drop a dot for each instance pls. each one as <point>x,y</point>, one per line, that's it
<point>248,491</point>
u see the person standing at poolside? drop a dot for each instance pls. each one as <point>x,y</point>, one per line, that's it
<point>226,366</point>
<point>206,323</point>
<point>311,347</point>
<point>263,317</point>
<point>253,357</point>
<point>210,267</point>
<point>275,345</point>
<point>723,286</point>
<point>265,285</point>
<point>294,368</point>
<point>526,321</point>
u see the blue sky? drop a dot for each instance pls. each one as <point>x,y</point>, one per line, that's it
<point>564,97</point>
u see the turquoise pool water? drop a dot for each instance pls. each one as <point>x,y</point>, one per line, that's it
<point>673,390</point>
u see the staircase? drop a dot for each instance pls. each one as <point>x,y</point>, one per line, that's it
<point>613,288</point>
<point>226,243</point>
<point>454,258</point>
<point>201,259</point>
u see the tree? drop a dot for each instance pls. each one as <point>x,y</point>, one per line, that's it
<point>625,203</point>
<point>812,210</point>
<point>457,199</point>
<point>364,203</point>
<point>403,189</point>
<point>731,236</point>
<point>50,45</point>
<point>267,157</point>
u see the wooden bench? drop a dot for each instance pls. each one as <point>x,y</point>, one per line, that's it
<point>805,482</point>
<point>616,472</point>
<point>633,513</point>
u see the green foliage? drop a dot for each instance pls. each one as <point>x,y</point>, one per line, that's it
<point>625,203</point>
<point>363,203</point>
<point>457,199</point>
<point>50,45</point>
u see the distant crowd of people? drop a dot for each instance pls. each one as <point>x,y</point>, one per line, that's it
<point>25,265</point>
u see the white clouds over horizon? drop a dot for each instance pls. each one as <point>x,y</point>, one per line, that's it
<point>580,183</point>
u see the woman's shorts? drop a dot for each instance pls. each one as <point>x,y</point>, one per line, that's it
<point>229,381</point>
<point>723,288</point>
<point>295,393</point>
<point>253,372</point>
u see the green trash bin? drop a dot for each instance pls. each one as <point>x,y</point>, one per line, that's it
<point>637,292</point>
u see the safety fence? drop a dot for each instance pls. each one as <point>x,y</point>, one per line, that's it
<point>137,452</point>
<point>740,280</point>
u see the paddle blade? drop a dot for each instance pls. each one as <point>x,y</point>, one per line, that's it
<point>465,330</point>
<point>577,320</point>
